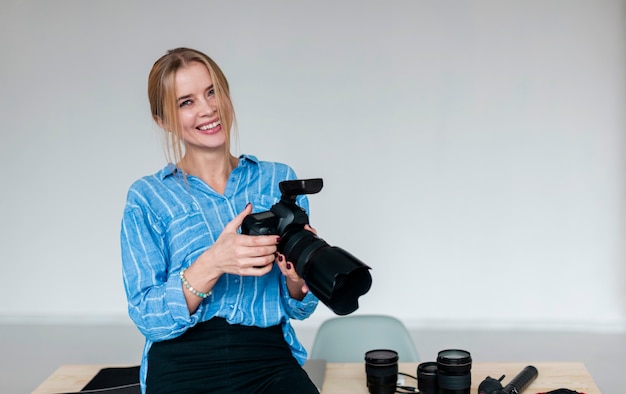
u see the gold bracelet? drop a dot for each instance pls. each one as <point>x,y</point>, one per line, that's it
<point>190,288</point>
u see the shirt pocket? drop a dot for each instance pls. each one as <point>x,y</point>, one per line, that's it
<point>187,235</point>
<point>262,202</point>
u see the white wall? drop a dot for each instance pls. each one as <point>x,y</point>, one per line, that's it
<point>473,152</point>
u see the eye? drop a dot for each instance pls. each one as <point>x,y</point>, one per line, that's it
<point>211,92</point>
<point>184,103</point>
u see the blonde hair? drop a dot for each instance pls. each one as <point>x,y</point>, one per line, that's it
<point>163,100</point>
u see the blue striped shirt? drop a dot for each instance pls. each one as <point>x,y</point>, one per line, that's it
<point>168,222</point>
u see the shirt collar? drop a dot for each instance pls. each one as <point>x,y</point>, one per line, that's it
<point>171,170</point>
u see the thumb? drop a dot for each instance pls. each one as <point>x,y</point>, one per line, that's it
<point>234,224</point>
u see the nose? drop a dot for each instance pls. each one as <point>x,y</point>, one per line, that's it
<point>208,106</point>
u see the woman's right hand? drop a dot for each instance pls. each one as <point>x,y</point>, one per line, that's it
<point>246,255</point>
<point>232,253</point>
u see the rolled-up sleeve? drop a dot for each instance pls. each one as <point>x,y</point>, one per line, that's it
<point>298,309</point>
<point>156,302</point>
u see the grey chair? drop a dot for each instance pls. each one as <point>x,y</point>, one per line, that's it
<point>346,338</point>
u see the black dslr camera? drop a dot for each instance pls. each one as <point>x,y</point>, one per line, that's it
<point>333,275</point>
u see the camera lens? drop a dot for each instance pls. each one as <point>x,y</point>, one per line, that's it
<point>453,371</point>
<point>427,377</point>
<point>335,276</point>
<point>381,369</point>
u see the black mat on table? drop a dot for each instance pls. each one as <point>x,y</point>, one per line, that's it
<point>114,380</point>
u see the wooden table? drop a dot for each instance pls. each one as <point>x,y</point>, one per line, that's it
<point>348,378</point>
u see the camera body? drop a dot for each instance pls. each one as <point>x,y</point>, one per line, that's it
<point>335,276</point>
<point>284,215</point>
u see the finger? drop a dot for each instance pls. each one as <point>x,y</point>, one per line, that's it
<point>311,229</point>
<point>263,270</point>
<point>283,264</point>
<point>259,269</point>
<point>280,260</point>
<point>287,268</point>
<point>265,251</point>
<point>265,244</point>
<point>257,261</point>
<point>234,224</point>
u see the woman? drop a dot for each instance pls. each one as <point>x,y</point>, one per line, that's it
<point>213,304</point>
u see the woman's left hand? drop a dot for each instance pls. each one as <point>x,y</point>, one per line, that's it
<point>295,284</point>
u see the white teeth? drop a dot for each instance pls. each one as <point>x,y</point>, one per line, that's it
<point>209,126</point>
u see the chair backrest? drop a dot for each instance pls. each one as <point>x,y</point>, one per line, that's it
<point>347,338</point>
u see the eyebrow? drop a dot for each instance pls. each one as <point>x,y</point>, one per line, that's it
<point>211,86</point>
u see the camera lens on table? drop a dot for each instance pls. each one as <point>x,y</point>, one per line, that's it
<point>381,368</point>
<point>453,371</point>
<point>427,377</point>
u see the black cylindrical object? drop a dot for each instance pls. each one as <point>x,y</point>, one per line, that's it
<point>427,377</point>
<point>523,379</point>
<point>333,275</point>
<point>381,369</point>
<point>454,371</point>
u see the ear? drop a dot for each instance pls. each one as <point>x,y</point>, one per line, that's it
<point>159,121</point>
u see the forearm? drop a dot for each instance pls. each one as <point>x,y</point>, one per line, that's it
<point>198,281</point>
<point>297,289</point>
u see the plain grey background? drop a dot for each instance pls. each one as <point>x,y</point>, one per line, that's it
<point>473,152</point>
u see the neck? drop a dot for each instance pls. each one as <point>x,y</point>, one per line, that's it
<point>212,169</point>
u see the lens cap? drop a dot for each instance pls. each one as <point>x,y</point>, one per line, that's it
<point>454,357</point>
<point>428,368</point>
<point>381,357</point>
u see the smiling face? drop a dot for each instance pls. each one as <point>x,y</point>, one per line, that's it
<point>190,99</point>
<point>198,114</point>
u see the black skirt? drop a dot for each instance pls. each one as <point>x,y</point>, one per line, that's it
<point>217,357</point>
